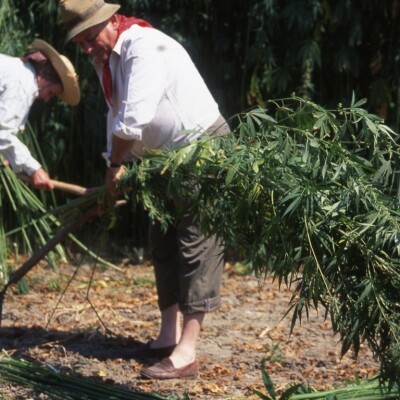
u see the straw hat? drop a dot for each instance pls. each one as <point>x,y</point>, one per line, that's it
<point>65,70</point>
<point>79,15</point>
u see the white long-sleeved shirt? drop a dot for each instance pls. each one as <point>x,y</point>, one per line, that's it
<point>18,91</point>
<point>158,93</point>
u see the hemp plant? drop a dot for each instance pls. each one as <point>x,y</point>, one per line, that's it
<point>307,195</point>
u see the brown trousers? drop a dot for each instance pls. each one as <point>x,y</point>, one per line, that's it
<point>188,266</point>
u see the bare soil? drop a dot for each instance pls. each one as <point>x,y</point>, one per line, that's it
<point>61,323</point>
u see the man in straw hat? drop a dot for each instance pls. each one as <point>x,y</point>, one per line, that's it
<point>42,73</point>
<point>156,99</point>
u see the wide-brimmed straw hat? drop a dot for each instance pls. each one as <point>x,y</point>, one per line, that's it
<point>65,70</point>
<point>79,15</point>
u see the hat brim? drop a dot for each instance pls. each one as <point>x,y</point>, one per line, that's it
<point>102,14</point>
<point>65,70</point>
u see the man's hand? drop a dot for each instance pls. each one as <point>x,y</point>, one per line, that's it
<point>113,176</point>
<point>40,179</point>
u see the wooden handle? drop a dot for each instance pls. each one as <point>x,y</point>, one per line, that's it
<point>70,188</point>
<point>64,186</point>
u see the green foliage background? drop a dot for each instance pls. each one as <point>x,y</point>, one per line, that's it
<point>248,52</point>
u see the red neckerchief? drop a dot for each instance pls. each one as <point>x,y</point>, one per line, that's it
<point>124,23</point>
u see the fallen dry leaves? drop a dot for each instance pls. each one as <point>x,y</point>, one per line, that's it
<point>91,328</point>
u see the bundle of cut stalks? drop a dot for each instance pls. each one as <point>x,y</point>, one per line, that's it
<point>370,389</point>
<point>62,386</point>
<point>27,224</point>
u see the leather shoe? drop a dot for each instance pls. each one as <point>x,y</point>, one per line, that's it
<point>165,370</point>
<point>149,352</point>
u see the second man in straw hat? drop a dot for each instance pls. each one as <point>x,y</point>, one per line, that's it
<point>41,73</point>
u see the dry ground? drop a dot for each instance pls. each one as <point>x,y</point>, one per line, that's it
<point>66,331</point>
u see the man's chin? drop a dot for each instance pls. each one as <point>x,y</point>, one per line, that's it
<point>100,58</point>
